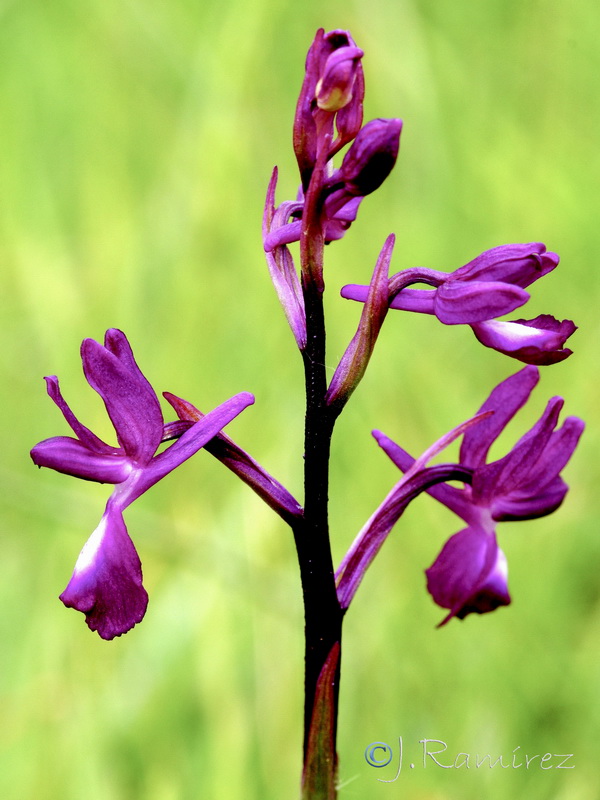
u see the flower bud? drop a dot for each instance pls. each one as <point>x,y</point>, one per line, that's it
<point>335,86</point>
<point>333,81</point>
<point>371,157</point>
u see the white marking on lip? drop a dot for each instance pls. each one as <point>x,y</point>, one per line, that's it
<point>517,332</point>
<point>90,549</point>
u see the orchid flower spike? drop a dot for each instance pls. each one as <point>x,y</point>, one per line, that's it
<point>106,584</point>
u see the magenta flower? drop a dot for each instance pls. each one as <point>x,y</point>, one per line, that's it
<point>489,286</point>
<point>106,584</point>
<point>470,573</point>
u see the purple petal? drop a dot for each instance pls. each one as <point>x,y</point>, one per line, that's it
<point>519,264</point>
<point>420,300</point>
<point>347,212</point>
<point>130,401</point>
<point>189,443</point>
<point>540,490</point>
<point>85,436</point>
<point>536,341</point>
<point>557,453</point>
<point>459,302</point>
<point>469,575</point>
<point>71,457</point>
<point>106,584</point>
<point>286,234</point>
<point>505,400</point>
<point>354,291</point>
<point>336,226</point>
<point>116,342</point>
<point>519,465</point>
<point>349,119</point>
<point>524,504</point>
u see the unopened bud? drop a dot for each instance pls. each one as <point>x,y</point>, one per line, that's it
<point>335,86</point>
<point>371,157</point>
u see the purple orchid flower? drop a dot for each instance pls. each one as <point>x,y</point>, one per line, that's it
<point>470,573</point>
<point>489,286</point>
<point>106,584</point>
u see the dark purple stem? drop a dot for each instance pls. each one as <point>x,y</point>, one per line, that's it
<point>323,614</point>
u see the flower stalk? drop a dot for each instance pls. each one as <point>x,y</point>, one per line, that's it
<point>322,612</point>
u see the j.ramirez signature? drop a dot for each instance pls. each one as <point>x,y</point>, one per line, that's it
<point>380,754</point>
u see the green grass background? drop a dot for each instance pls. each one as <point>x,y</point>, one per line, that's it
<point>136,142</point>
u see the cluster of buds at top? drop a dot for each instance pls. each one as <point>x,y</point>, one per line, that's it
<point>329,115</point>
<point>333,90</point>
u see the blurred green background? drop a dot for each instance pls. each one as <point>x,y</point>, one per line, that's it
<point>136,142</point>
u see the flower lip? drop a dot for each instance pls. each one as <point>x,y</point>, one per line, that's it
<point>469,575</point>
<point>106,584</point>
<point>535,341</point>
<point>489,286</point>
